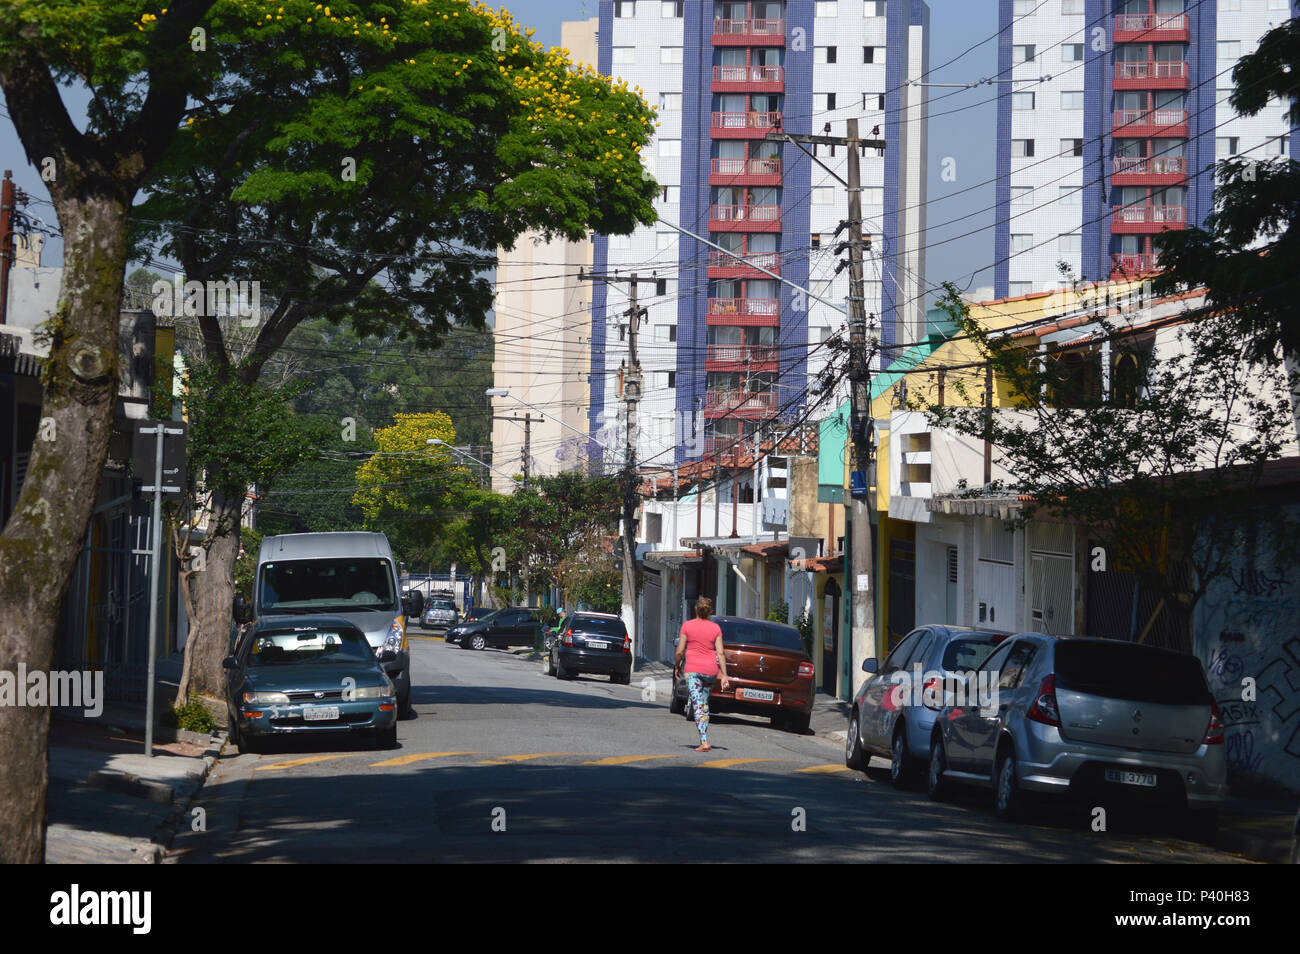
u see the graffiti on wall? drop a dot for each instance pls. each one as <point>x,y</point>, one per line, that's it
<point>1247,634</point>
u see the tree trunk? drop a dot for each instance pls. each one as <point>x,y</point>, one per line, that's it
<point>216,597</point>
<point>42,540</point>
<point>187,668</point>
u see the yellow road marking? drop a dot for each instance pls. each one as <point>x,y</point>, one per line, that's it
<point>624,759</point>
<point>829,769</point>
<point>416,757</point>
<point>294,763</point>
<point>728,763</point>
<point>539,755</point>
<point>493,762</point>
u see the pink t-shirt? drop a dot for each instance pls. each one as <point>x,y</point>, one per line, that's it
<point>700,636</point>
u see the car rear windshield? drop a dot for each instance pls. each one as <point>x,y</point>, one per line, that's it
<point>1118,670</point>
<point>441,602</point>
<point>599,627</point>
<point>969,652</point>
<point>752,632</point>
<point>309,645</point>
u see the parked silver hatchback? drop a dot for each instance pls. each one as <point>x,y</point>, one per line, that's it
<point>893,713</point>
<point>1099,719</point>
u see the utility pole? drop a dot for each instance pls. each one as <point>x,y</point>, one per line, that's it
<point>525,454</point>
<point>628,479</point>
<point>10,197</point>
<point>860,421</point>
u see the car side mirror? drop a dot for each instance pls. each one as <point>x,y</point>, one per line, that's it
<point>243,612</point>
<point>870,665</point>
<point>230,662</point>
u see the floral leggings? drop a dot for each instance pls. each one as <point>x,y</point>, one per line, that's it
<point>698,689</point>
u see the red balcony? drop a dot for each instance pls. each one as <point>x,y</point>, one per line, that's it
<point>740,403</point>
<point>1151,74</point>
<point>1133,265</point>
<point>747,124</point>
<point>727,446</point>
<point>727,265</point>
<point>757,172</point>
<point>1147,218</point>
<point>722,357</point>
<point>768,32</point>
<point>1151,28</point>
<point>748,79</point>
<point>744,312</point>
<point>1155,171</point>
<point>1151,123</point>
<point>748,218</point>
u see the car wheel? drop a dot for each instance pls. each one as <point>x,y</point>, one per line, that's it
<point>386,738</point>
<point>233,733</point>
<point>1008,799</point>
<point>1203,826</point>
<point>404,710</point>
<point>900,762</point>
<point>477,642</point>
<point>854,757</point>
<point>799,725</point>
<point>676,704</point>
<point>936,786</point>
<point>621,678</point>
<point>561,672</point>
<point>251,744</point>
<point>549,668</point>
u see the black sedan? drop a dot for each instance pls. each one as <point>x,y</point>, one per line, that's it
<point>514,626</point>
<point>308,674</point>
<point>591,642</point>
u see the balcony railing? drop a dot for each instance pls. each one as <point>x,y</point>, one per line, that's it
<point>768,260</point>
<point>1146,22</point>
<point>1150,117</point>
<point>1136,264</point>
<point>1150,214</point>
<point>742,354</point>
<point>767,27</point>
<point>742,400</point>
<point>764,307</point>
<point>1149,69</point>
<point>745,213</point>
<point>1155,166</point>
<point>748,74</point>
<point>750,119</point>
<point>746,167</point>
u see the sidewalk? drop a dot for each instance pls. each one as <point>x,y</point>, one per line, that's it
<point>108,802</point>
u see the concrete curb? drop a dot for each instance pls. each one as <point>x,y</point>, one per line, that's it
<point>165,833</point>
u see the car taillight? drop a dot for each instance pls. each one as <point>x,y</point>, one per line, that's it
<point>567,638</point>
<point>1044,709</point>
<point>932,694</point>
<point>806,670</point>
<point>1214,731</point>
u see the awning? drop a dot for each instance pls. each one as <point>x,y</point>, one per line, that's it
<point>772,548</point>
<point>822,564</point>
<point>672,558</point>
<point>1003,508</point>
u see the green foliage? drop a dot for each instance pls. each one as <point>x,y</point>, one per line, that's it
<point>803,622</point>
<point>250,545</point>
<point>601,589</point>
<point>778,612</point>
<point>193,716</point>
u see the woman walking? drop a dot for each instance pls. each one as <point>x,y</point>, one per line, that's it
<point>699,656</point>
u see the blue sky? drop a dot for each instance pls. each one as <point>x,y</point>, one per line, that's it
<point>965,134</point>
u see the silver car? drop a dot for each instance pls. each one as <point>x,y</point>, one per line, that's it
<point>1100,719</point>
<point>892,714</point>
<point>439,613</point>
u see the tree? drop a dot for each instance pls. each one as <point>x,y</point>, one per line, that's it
<point>1247,255</point>
<point>1163,474</point>
<point>371,181</point>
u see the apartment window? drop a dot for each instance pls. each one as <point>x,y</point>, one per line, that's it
<point>672,195</point>
<point>1229,49</point>
<point>1069,245</point>
<point>1022,195</point>
<point>1225,146</point>
<point>1021,242</point>
<point>666,332</point>
<point>819,149</point>
<point>669,148</point>
<point>827,8</point>
<point>873,8</point>
<point>664,240</point>
<point>824,54</point>
<point>620,241</point>
<point>672,10</point>
<point>1072,7</point>
<point>1022,53</point>
<point>624,9</point>
<point>1227,6</point>
<point>873,195</point>
<point>1023,8</point>
<point>1072,53</point>
<point>873,54</point>
<point>670,54</point>
<point>1020,289</point>
<point>1072,147</point>
<point>1070,197</point>
<point>1277,4</point>
<point>1277,146</point>
<point>1072,100</point>
<point>1022,148</point>
<point>623,55</point>
<point>1022,100</point>
<point>823,102</point>
<point>821,288</point>
<point>873,100</point>
<point>823,334</point>
<point>670,102</point>
<point>671,377</point>
<point>815,240</point>
<point>823,195</point>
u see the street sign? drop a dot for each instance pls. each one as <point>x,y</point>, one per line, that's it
<point>857,483</point>
<point>144,446</point>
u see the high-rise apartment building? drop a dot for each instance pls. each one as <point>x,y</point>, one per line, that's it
<point>728,350</point>
<point>1111,115</point>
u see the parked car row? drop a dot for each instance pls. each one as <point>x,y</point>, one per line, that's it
<point>1031,715</point>
<point>512,626</point>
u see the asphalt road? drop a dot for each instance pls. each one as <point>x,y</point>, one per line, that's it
<point>502,763</point>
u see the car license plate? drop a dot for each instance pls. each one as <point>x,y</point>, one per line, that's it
<point>1124,777</point>
<point>597,644</point>
<point>320,713</point>
<point>761,695</point>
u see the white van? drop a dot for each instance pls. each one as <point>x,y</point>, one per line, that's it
<point>346,574</point>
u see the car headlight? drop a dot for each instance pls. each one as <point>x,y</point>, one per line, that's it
<point>372,692</point>
<point>266,698</point>
<point>393,641</point>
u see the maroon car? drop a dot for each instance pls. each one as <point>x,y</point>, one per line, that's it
<point>769,671</point>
